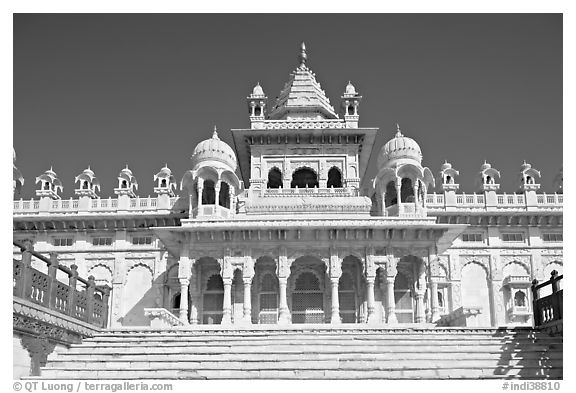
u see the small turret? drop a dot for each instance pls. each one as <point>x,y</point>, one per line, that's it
<point>257,106</point>
<point>126,183</point>
<point>448,177</point>
<point>166,183</point>
<point>529,178</point>
<point>87,184</point>
<point>49,185</point>
<point>558,183</point>
<point>488,179</point>
<point>17,178</point>
<point>350,103</point>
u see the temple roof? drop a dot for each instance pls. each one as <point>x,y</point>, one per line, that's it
<point>302,96</point>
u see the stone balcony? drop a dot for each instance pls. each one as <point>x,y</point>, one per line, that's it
<point>437,202</point>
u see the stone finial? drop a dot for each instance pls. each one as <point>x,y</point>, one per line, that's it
<point>50,184</point>
<point>215,133</point>
<point>398,132</point>
<point>302,57</point>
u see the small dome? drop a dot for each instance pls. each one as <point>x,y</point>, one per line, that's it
<point>126,171</point>
<point>525,166</point>
<point>485,166</point>
<point>258,91</point>
<point>350,89</point>
<point>214,149</point>
<point>399,147</point>
<point>446,166</point>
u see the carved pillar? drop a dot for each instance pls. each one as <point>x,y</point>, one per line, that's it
<point>194,295</point>
<point>247,300</point>
<point>420,291</point>
<point>184,283</point>
<point>370,298</point>
<point>200,189</point>
<point>38,348</point>
<point>335,273</point>
<point>434,300</point>
<point>227,303</point>
<point>217,192</point>
<point>284,317</point>
<point>398,194</point>
<point>335,318</point>
<point>390,301</point>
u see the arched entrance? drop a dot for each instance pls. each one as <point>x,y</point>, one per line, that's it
<point>403,298</point>
<point>268,299</point>
<point>347,298</point>
<point>308,298</point>
<point>212,300</point>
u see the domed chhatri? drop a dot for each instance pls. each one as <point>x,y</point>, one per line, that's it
<point>350,89</point>
<point>214,149</point>
<point>258,91</point>
<point>398,150</point>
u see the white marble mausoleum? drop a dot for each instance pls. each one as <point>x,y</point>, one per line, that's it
<point>284,227</point>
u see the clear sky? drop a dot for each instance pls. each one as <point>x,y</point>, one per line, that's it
<point>107,90</point>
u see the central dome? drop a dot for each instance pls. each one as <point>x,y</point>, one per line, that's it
<point>399,148</point>
<point>214,149</point>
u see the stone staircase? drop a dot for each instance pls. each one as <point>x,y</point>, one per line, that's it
<point>311,352</point>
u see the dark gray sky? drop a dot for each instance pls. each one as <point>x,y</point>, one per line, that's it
<point>107,90</point>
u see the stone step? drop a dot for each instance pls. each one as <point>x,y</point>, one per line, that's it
<point>266,355</point>
<point>306,364</point>
<point>405,373</point>
<point>292,338</point>
<point>273,348</point>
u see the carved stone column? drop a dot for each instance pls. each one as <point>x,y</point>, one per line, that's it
<point>390,301</point>
<point>370,298</point>
<point>335,317</point>
<point>200,189</point>
<point>194,296</point>
<point>184,283</point>
<point>227,302</point>
<point>284,317</point>
<point>247,300</point>
<point>434,300</point>
<point>420,291</point>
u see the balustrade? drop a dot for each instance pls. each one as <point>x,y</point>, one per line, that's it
<point>79,298</point>
<point>548,308</point>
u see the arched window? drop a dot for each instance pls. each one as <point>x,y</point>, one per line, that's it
<point>334,178</point>
<point>46,186</point>
<point>406,190</point>
<point>529,180</point>
<point>350,109</point>
<point>489,180</point>
<point>304,177</point>
<point>274,178</point>
<point>307,299</point>
<point>208,193</point>
<point>163,183</point>
<point>85,185</point>
<point>520,299</point>
<point>224,197</point>
<point>449,180</point>
<point>257,111</point>
<point>440,299</point>
<point>391,197</point>
<point>124,184</point>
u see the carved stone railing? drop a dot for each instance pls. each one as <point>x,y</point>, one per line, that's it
<point>315,192</point>
<point>212,211</point>
<point>547,309</point>
<point>100,205</point>
<point>436,202</point>
<point>161,318</point>
<point>78,298</point>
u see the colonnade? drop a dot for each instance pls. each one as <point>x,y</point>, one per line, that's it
<point>387,275</point>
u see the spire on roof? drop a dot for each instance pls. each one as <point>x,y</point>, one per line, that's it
<point>215,133</point>
<point>302,57</point>
<point>398,132</point>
